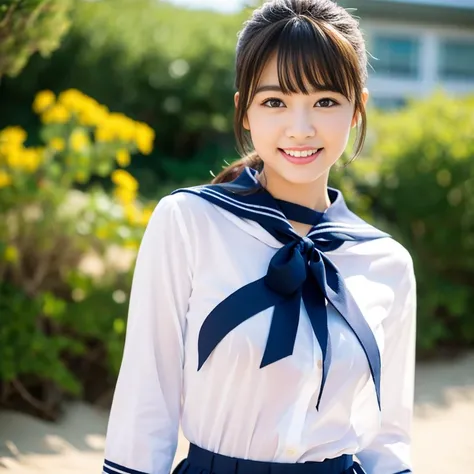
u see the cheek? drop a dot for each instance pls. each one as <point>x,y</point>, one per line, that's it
<point>263,128</point>
<point>337,129</point>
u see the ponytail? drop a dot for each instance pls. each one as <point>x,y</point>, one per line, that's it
<point>232,171</point>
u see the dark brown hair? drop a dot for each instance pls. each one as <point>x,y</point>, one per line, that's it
<point>317,43</point>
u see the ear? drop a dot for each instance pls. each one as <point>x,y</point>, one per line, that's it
<point>245,121</point>
<point>365,98</point>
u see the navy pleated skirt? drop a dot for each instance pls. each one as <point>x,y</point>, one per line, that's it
<point>201,461</point>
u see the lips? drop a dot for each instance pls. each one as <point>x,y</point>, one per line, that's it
<point>301,160</point>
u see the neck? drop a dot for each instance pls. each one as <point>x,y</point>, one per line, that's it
<point>313,195</point>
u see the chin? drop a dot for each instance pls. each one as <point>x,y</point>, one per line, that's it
<point>301,174</point>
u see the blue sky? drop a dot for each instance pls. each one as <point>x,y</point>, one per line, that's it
<point>221,5</point>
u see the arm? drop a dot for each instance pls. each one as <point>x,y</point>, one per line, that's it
<point>389,452</point>
<point>144,420</point>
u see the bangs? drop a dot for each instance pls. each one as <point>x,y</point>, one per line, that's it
<point>318,47</point>
<point>312,57</point>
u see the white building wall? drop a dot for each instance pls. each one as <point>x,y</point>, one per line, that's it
<point>430,38</point>
<point>439,3</point>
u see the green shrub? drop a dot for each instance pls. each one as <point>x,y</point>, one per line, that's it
<point>27,27</point>
<point>418,172</point>
<point>175,73</point>
<point>65,254</point>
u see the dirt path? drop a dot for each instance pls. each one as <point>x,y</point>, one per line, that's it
<point>443,430</point>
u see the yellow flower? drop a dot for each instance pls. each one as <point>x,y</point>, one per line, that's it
<point>72,99</point>
<point>14,158</point>
<point>131,245</point>
<point>144,137</point>
<point>123,127</point>
<point>123,158</point>
<point>56,114</point>
<point>125,196</point>
<point>104,134</point>
<point>32,158</point>
<point>13,136</point>
<point>125,180</point>
<point>11,254</point>
<point>132,213</point>
<point>5,179</point>
<point>146,214</point>
<point>57,143</point>
<point>79,140</point>
<point>43,100</point>
<point>93,114</point>
<point>25,159</point>
<point>87,109</point>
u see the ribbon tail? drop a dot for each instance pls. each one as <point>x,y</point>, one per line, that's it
<point>315,304</point>
<point>246,302</point>
<point>283,329</point>
<point>340,297</point>
<point>357,468</point>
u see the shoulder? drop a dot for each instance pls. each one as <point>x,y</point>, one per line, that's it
<point>393,252</point>
<point>385,258</point>
<point>184,209</point>
<point>184,202</point>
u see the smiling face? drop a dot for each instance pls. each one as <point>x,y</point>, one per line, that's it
<point>298,136</point>
<point>300,78</point>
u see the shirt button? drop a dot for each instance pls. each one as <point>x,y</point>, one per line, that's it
<point>291,452</point>
<point>320,364</point>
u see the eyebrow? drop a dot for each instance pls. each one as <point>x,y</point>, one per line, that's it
<point>269,88</point>
<point>277,88</point>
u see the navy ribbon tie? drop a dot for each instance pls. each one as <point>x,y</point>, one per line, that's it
<point>299,271</point>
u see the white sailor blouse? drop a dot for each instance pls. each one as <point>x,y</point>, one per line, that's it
<point>263,344</point>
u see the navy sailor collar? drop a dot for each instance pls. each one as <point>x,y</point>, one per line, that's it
<point>299,271</point>
<point>246,197</point>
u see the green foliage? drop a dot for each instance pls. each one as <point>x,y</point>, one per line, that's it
<point>174,71</point>
<point>28,26</point>
<point>61,290</point>
<point>26,346</point>
<point>418,172</point>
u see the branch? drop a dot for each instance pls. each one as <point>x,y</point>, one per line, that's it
<point>30,399</point>
<point>8,15</point>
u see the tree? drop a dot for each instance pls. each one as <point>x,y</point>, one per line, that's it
<point>29,26</point>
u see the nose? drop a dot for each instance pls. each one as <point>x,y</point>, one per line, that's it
<point>300,126</point>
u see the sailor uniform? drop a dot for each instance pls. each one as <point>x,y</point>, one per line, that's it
<point>265,345</point>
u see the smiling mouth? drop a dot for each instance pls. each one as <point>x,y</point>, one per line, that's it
<point>305,156</point>
<point>300,154</point>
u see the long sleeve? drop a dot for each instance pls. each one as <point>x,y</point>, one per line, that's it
<point>144,420</point>
<point>389,452</point>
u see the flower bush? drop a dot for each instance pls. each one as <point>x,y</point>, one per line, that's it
<point>66,254</point>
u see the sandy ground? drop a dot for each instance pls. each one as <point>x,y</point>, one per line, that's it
<point>443,430</point>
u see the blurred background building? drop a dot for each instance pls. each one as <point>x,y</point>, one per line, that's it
<point>417,45</point>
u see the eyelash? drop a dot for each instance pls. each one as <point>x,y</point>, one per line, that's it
<point>279,100</point>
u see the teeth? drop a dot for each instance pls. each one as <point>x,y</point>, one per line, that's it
<point>300,154</point>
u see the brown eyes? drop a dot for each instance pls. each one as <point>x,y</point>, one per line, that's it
<point>325,103</point>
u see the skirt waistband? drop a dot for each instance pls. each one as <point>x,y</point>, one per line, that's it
<point>220,464</point>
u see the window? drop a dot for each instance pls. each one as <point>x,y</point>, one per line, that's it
<point>456,60</point>
<point>396,56</point>
<point>389,103</point>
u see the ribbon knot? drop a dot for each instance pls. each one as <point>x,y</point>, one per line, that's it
<point>299,273</point>
<point>287,269</point>
<point>307,245</point>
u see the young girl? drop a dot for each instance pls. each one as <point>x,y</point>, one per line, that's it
<point>267,318</point>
